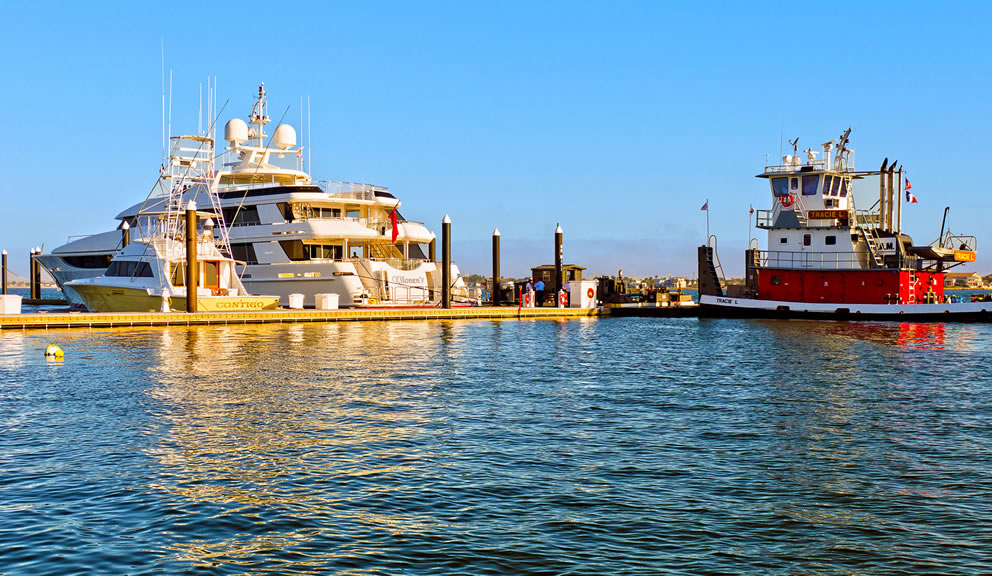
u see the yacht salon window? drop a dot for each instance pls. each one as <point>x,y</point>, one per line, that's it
<point>354,213</point>
<point>244,253</point>
<point>243,216</point>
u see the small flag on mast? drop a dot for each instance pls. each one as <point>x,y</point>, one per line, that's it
<point>908,185</point>
<point>910,197</point>
<point>706,205</point>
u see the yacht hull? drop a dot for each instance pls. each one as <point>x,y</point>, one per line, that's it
<point>118,299</point>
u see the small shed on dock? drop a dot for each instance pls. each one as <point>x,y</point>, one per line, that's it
<point>546,272</point>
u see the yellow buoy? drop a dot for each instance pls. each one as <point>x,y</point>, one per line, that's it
<point>54,351</point>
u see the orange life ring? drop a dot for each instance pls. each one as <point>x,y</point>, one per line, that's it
<point>563,299</point>
<point>590,293</point>
<point>787,200</point>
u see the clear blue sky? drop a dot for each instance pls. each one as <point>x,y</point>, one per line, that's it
<point>616,119</point>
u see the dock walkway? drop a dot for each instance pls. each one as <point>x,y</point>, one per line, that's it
<point>43,320</point>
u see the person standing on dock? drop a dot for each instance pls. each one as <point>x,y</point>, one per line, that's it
<point>539,287</point>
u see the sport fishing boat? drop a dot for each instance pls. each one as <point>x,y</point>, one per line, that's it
<point>150,274</point>
<point>827,258</point>
<point>291,234</point>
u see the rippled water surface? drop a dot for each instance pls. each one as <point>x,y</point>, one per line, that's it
<point>612,446</point>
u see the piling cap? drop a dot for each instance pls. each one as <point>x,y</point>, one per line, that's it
<point>209,223</point>
<point>191,206</point>
<point>4,252</point>
<point>446,220</point>
<point>125,226</point>
<point>495,231</point>
<point>558,229</point>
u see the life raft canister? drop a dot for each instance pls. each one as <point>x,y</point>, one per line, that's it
<point>787,200</point>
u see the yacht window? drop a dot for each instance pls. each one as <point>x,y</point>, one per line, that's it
<point>830,240</point>
<point>210,276</point>
<point>286,210</point>
<point>807,240</point>
<point>90,261</point>
<point>354,213</point>
<point>810,184</point>
<point>177,272</point>
<point>122,268</point>
<point>294,249</point>
<point>245,216</point>
<point>826,185</point>
<point>325,251</point>
<point>780,186</point>
<point>244,253</point>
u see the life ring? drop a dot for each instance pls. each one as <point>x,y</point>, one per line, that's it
<point>590,293</point>
<point>787,200</point>
<point>563,299</point>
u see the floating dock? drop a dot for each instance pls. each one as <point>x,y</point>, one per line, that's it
<point>45,320</point>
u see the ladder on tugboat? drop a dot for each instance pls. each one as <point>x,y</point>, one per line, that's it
<point>912,287</point>
<point>871,238</point>
<point>800,210</point>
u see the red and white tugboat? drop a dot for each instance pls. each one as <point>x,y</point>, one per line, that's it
<point>827,258</point>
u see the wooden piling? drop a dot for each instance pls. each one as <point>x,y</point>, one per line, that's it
<point>191,264</point>
<point>495,292</point>
<point>446,262</point>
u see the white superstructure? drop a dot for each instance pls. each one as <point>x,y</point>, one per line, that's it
<point>295,235</point>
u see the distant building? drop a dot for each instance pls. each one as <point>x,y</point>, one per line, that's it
<point>676,282</point>
<point>963,280</point>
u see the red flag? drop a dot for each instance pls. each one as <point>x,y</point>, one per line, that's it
<point>908,185</point>
<point>396,230</point>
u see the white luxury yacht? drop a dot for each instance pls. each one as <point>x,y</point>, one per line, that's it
<point>290,234</point>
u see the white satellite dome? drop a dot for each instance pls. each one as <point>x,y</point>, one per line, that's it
<point>284,137</point>
<point>236,131</point>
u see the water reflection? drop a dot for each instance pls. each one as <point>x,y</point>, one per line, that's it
<point>284,419</point>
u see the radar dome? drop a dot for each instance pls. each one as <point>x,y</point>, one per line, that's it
<point>284,137</point>
<point>236,131</point>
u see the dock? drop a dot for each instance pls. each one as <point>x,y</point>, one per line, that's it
<point>60,320</point>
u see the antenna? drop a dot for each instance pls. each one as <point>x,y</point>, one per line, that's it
<point>795,145</point>
<point>163,101</point>
<point>309,166</point>
<point>199,113</point>
<point>170,103</point>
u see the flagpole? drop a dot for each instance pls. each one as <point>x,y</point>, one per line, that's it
<point>750,208</point>
<point>707,221</point>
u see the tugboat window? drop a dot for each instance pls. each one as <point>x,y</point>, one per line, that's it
<point>776,280</point>
<point>830,240</point>
<point>783,240</point>
<point>807,240</point>
<point>845,186</point>
<point>795,184</point>
<point>826,185</point>
<point>835,189</point>
<point>780,186</point>
<point>810,184</point>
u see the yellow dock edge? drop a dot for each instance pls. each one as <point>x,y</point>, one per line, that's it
<point>126,319</point>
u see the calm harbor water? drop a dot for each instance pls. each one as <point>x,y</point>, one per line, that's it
<point>610,446</point>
